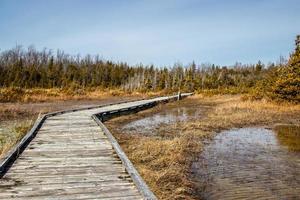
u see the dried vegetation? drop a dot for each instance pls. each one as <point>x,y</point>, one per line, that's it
<point>164,160</point>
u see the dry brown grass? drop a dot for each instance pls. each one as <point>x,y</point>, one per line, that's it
<point>232,112</point>
<point>12,94</point>
<point>14,112</point>
<point>164,162</point>
<point>16,132</point>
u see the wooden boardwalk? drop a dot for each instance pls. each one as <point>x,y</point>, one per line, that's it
<point>72,157</point>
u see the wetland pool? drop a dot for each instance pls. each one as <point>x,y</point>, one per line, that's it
<point>165,118</point>
<point>243,163</point>
<point>248,163</point>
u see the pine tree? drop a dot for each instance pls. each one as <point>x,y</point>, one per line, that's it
<point>287,86</point>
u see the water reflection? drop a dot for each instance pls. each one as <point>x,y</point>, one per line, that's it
<point>289,136</point>
<point>150,124</point>
<point>248,163</point>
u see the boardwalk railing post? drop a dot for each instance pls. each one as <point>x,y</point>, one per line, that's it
<point>179,96</point>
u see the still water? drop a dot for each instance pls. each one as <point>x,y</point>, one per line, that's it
<point>248,163</point>
<point>245,163</point>
<point>151,124</point>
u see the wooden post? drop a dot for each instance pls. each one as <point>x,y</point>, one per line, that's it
<point>179,96</point>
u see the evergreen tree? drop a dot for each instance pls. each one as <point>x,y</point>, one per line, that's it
<point>287,86</point>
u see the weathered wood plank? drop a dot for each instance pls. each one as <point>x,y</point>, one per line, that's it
<point>72,157</point>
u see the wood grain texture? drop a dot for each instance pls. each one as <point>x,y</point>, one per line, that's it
<point>72,157</point>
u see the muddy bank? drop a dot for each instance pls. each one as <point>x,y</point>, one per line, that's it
<point>248,163</point>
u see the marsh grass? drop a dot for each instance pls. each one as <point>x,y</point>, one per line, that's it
<point>17,94</point>
<point>12,112</point>
<point>232,112</point>
<point>163,163</point>
<point>12,134</point>
<point>164,160</point>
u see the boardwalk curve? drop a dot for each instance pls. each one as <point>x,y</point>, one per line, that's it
<point>72,155</point>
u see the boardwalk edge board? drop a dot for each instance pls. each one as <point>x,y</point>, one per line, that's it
<point>7,161</point>
<point>137,179</point>
<point>14,153</point>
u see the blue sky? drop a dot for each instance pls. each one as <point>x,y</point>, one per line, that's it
<point>159,32</point>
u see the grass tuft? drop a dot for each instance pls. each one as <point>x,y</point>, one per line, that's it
<point>16,132</point>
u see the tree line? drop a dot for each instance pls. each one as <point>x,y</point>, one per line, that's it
<point>30,68</point>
